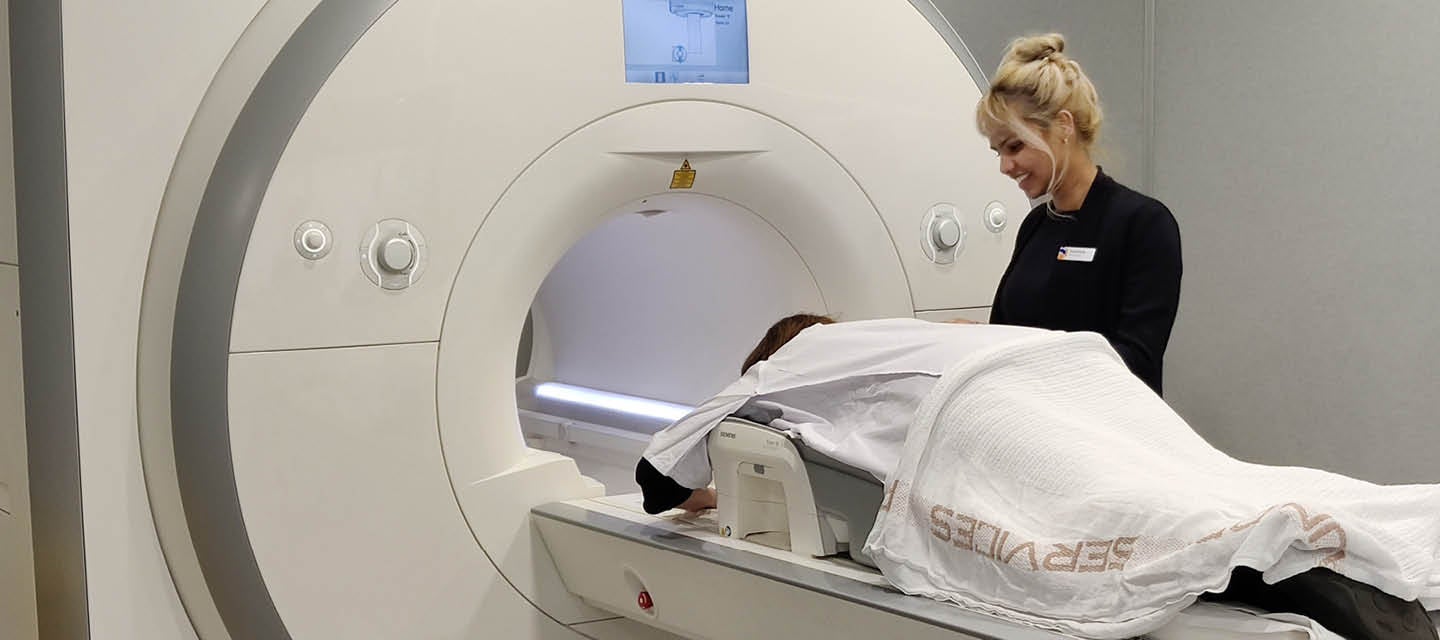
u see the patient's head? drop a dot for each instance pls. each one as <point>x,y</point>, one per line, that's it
<point>780,333</point>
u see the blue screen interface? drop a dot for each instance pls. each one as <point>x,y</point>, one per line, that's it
<point>686,41</point>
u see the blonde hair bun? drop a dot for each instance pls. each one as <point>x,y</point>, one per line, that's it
<point>1029,49</point>
<point>1022,92</point>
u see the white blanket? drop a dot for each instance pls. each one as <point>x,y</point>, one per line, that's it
<point>1042,482</point>
<point>849,390</point>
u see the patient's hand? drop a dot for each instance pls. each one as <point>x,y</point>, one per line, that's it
<point>699,500</point>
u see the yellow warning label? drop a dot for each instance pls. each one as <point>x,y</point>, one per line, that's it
<point>684,177</point>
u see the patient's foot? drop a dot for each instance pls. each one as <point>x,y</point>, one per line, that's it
<point>1350,608</point>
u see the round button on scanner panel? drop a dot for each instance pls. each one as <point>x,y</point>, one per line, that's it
<point>392,255</point>
<point>946,234</point>
<point>397,255</point>
<point>995,217</point>
<point>312,240</point>
<point>942,233</point>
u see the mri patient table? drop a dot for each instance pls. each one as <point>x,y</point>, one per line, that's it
<point>769,563</point>
<point>765,565</point>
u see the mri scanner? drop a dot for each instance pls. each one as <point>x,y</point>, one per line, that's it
<point>355,228</point>
<point>386,231</point>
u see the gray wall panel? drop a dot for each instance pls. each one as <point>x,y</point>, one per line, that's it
<point>1107,37</point>
<point>9,252</point>
<point>1296,143</point>
<point>52,423</point>
<point>17,563</point>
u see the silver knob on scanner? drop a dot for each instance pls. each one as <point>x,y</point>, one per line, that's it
<point>393,254</point>
<point>396,255</point>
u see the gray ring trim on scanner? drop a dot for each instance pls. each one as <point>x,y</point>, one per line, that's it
<point>52,422</point>
<point>946,616</point>
<point>952,37</point>
<point>205,306</point>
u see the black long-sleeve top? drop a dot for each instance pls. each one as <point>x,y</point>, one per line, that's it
<point>660,491</point>
<point>1118,275</point>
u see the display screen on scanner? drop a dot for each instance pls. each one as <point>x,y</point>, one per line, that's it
<point>686,41</point>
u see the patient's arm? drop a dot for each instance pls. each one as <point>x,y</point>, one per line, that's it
<point>662,493</point>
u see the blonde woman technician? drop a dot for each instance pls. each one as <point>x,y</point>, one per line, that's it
<point>1096,255</point>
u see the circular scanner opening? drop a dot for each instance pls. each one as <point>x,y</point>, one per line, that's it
<point>645,317</point>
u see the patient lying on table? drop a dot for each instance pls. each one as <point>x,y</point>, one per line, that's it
<point>849,389</point>
<point>1028,474</point>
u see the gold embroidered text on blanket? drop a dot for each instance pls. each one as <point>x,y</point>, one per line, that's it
<point>973,534</point>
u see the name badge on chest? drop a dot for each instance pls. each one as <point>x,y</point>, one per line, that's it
<point>1076,254</point>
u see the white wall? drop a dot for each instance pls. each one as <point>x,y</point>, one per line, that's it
<point>1107,37</point>
<point>1298,143</point>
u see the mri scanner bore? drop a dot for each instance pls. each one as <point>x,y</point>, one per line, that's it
<point>625,336</point>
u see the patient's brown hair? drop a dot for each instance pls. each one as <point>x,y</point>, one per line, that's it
<point>780,333</point>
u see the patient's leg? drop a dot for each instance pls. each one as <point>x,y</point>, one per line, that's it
<point>1352,609</point>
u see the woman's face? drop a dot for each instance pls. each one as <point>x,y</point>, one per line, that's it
<point>1024,163</point>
